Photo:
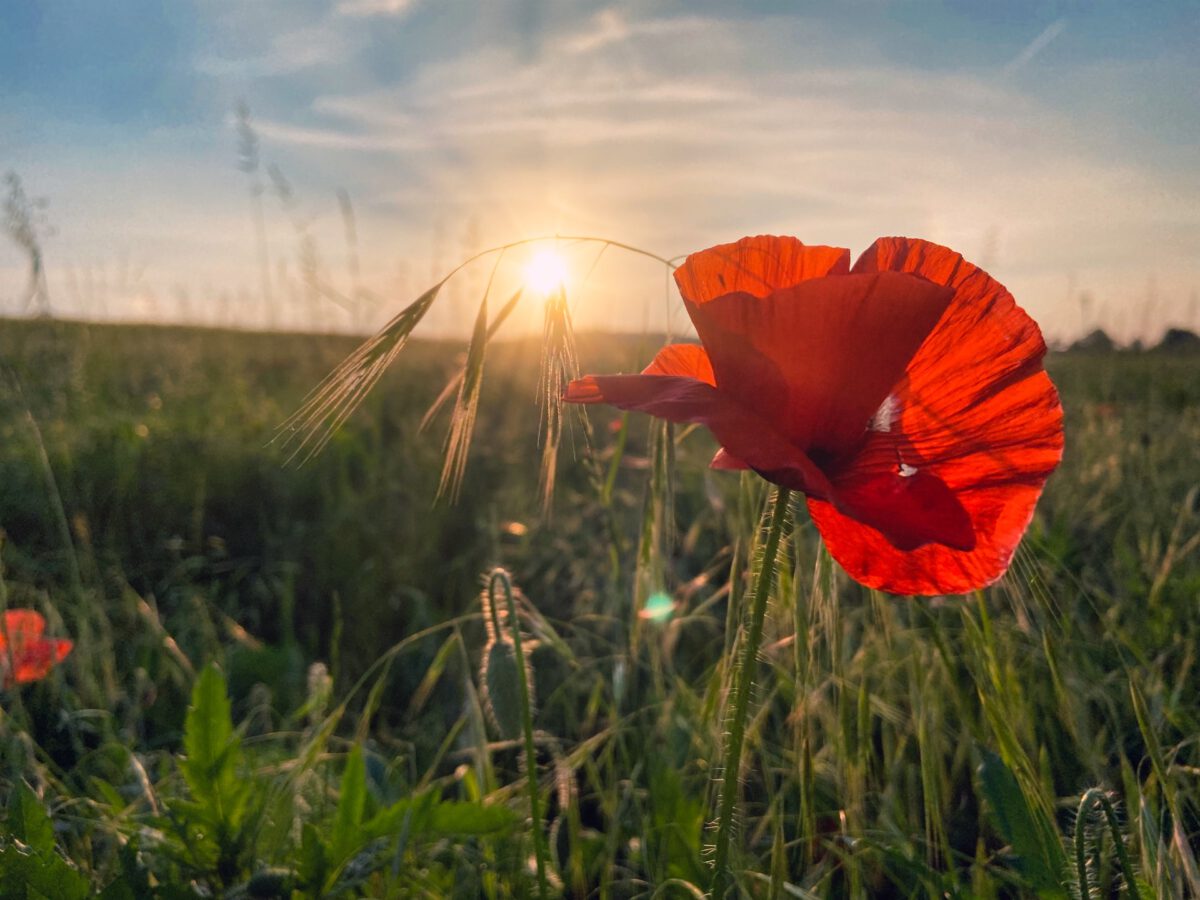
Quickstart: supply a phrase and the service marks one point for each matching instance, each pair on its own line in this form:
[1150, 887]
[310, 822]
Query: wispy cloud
[374, 7]
[287, 51]
[620, 125]
[608, 27]
[1036, 46]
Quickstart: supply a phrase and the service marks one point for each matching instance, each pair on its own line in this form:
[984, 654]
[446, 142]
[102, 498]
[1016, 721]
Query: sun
[546, 273]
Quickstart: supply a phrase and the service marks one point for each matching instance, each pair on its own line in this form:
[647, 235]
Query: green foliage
[30, 865]
[212, 751]
[27, 821]
[358, 845]
[347, 821]
[427, 816]
[966, 747]
[1039, 853]
[214, 827]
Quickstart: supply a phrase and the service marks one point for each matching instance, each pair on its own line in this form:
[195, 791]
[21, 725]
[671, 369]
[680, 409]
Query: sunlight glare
[546, 273]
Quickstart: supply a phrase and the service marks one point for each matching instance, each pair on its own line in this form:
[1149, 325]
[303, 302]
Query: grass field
[1039, 738]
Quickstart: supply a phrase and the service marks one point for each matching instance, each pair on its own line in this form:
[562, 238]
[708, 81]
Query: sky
[1055, 143]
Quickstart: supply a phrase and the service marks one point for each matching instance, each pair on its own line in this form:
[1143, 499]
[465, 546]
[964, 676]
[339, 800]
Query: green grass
[896, 747]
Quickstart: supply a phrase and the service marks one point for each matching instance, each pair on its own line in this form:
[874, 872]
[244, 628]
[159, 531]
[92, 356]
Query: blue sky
[1058, 144]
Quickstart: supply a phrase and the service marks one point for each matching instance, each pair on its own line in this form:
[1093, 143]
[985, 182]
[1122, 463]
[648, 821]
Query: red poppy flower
[905, 396]
[24, 654]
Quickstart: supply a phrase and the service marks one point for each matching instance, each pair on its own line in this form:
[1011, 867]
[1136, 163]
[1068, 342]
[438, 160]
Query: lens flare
[546, 273]
[659, 607]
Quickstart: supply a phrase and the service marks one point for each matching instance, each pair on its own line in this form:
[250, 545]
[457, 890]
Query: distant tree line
[1174, 340]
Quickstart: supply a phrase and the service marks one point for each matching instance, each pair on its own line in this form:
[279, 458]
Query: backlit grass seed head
[495, 616]
[319, 690]
[559, 365]
[307, 431]
[499, 675]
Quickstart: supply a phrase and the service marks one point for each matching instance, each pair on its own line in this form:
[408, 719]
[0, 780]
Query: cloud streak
[1036, 46]
[366, 8]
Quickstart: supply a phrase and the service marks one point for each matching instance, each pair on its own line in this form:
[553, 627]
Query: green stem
[744, 679]
[1096, 797]
[1081, 869]
[539, 843]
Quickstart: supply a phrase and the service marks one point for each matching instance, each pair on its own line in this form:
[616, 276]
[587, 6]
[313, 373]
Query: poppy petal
[911, 508]
[757, 266]
[999, 517]
[689, 360]
[819, 357]
[976, 410]
[38, 658]
[743, 433]
[20, 627]
[723, 459]
[984, 338]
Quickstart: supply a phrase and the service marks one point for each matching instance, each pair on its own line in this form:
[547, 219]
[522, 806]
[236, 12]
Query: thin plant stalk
[1095, 797]
[539, 844]
[53, 494]
[743, 680]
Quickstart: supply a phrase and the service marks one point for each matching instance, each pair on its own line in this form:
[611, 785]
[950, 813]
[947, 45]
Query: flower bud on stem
[501, 578]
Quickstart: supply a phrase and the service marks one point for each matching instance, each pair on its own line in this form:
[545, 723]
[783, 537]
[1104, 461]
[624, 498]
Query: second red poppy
[24, 654]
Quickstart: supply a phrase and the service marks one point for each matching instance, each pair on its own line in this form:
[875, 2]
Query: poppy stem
[743, 681]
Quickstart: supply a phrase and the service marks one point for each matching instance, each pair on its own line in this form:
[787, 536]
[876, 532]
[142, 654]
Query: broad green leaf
[133, 882]
[119, 890]
[208, 738]
[347, 831]
[26, 874]
[459, 817]
[28, 821]
[1040, 856]
[110, 794]
[427, 816]
[314, 857]
[408, 816]
[213, 752]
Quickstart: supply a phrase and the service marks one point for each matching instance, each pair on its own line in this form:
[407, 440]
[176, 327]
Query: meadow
[299, 681]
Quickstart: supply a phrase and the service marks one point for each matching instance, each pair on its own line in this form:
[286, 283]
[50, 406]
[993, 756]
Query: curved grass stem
[514, 623]
[743, 681]
[1091, 798]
